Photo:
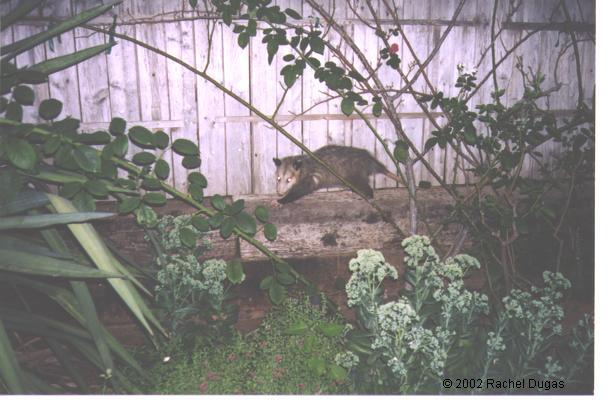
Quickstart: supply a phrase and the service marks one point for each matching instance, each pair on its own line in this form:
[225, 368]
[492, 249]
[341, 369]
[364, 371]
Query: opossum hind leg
[363, 186]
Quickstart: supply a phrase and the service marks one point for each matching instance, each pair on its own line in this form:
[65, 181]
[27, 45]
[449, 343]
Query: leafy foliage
[439, 329]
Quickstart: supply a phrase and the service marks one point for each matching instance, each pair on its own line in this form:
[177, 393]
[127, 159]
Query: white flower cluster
[495, 343]
[368, 270]
[169, 227]
[347, 359]
[552, 369]
[214, 272]
[419, 252]
[539, 310]
[456, 298]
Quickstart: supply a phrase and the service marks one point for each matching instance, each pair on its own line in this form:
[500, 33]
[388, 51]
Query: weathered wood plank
[210, 133]
[238, 134]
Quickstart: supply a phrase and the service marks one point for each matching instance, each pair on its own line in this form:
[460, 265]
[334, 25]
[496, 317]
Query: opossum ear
[277, 161]
[297, 163]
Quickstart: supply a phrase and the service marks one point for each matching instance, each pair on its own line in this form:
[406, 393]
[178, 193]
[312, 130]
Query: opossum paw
[275, 204]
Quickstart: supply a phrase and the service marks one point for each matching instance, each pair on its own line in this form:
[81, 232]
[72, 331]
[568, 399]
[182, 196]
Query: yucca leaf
[9, 367]
[103, 259]
[53, 65]
[64, 177]
[91, 322]
[23, 201]
[23, 8]
[25, 44]
[64, 359]
[26, 263]
[16, 243]
[43, 220]
[66, 300]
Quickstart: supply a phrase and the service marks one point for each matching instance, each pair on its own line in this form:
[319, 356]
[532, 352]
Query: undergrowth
[265, 361]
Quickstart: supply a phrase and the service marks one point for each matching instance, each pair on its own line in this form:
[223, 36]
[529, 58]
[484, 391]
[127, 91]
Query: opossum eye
[278, 178]
[288, 180]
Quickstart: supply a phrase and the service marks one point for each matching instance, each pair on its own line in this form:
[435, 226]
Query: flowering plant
[438, 328]
[192, 294]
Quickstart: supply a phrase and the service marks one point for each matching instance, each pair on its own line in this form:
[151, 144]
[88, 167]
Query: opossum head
[288, 173]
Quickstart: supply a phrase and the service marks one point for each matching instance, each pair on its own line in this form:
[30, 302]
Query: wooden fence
[146, 89]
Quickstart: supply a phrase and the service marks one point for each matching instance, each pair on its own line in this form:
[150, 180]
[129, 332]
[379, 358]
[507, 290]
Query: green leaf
[347, 106]
[154, 199]
[14, 111]
[270, 231]
[50, 109]
[161, 139]
[22, 201]
[144, 158]
[234, 272]
[261, 213]
[298, 328]
[198, 178]
[430, 143]
[246, 223]
[267, 282]
[142, 137]
[151, 184]
[401, 151]
[20, 46]
[193, 3]
[120, 145]
[3, 104]
[317, 45]
[23, 8]
[87, 158]
[216, 220]
[128, 204]
[96, 138]
[52, 65]
[117, 126]
[196, 191]
[70, 189]
[21, 154]
[33, 264]
[187, 237]
[377, 109]
[309, 344]
[243, 40]
[161, 169]
[286, 278]
[24, 95]
[200, 223]
[10, 371]
[96, 187]
[235, 207]
[227, 227]
[191, 162]
[317, 365]
[146, 216]
[185, 147]
[330, 329]
[84, 202]
[293, 13]
[337, 372]
[277, 293]
[218, 202]
[470, 137]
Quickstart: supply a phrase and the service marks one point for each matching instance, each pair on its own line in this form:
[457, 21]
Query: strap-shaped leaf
[24, 7]
[24, 201]
[27, 263]
[43, 220]
[53, 65]
[25, 44]
[9, 367]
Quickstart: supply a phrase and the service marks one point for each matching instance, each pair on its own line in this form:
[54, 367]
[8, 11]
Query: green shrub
[266, 361]
[438, 329]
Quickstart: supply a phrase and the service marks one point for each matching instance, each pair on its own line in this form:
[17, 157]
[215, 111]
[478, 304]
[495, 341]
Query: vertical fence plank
[210, 102]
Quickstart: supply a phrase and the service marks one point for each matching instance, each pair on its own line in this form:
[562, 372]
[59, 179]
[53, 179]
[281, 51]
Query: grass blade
[23, 8]
[24, 201]
[56, 64]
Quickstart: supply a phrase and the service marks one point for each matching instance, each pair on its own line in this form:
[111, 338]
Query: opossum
[298, 176]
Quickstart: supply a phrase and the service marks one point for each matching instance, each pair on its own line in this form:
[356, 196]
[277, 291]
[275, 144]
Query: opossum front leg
[299, 190]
